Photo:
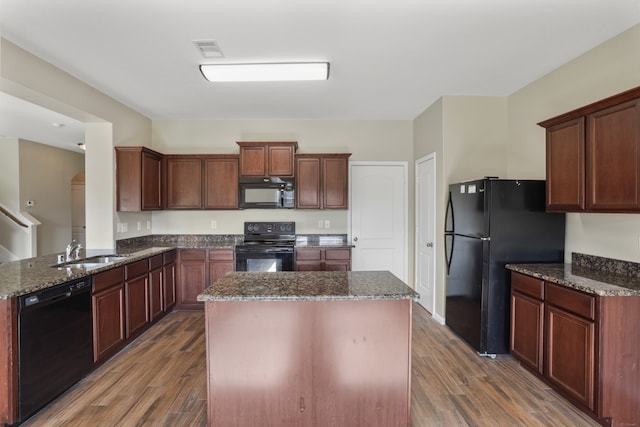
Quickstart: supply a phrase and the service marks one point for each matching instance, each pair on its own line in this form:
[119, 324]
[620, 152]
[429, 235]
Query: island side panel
[256, 357]
[362, 363]
[309, 363]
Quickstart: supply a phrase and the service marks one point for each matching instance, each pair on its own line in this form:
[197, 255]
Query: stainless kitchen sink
[92, 262]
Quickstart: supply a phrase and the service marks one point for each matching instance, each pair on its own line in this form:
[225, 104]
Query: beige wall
[608, 69]
[469, 137]
[108, 122]
[45, 178]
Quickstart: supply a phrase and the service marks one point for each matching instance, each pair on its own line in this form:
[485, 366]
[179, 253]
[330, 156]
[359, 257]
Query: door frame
[431, 156]
[405, 196]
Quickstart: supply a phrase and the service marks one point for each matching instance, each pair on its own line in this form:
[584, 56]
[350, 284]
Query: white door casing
[425, 231]
[378, 217]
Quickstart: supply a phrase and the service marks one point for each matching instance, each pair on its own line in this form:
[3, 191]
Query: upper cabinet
[202, 181]
[322, 181]
[263, 159]
[138, 179]
[593, 157]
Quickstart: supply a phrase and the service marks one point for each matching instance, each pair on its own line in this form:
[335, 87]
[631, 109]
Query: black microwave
[266, 193]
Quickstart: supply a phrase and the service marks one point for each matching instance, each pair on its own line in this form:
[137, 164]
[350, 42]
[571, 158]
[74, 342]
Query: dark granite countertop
[582, 278]
[29, 275]
[305, 286]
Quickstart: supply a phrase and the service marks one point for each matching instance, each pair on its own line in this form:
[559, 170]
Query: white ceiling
[390, 59]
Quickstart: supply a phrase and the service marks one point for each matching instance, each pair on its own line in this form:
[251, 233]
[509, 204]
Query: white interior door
[378, 220]
[425, 231]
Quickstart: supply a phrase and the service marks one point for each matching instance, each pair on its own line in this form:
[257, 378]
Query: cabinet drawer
[337, 254]
[573, 301]
[136, 269]
[107, 279]
[527, 285]
[221, 255]
[192, 255]
[169, 257]
[308, 254]
[155, 262]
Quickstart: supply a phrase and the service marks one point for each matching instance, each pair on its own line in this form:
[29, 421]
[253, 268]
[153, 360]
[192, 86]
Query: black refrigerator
[490, 223]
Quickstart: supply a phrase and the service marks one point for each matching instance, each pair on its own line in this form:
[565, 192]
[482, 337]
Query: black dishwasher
[55, 347]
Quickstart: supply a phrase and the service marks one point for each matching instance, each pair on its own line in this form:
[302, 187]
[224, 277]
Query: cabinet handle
[302, 408]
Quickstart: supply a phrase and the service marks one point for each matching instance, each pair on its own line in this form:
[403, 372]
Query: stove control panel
[269, 228]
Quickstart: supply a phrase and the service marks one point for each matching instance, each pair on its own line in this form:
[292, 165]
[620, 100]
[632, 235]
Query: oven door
[257, 258]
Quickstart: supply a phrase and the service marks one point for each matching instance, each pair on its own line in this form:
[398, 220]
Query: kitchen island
[309, 349]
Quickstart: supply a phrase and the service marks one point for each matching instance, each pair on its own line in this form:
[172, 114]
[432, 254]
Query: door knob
[429, 244]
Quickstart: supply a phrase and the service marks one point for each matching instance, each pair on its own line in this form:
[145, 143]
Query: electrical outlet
[214, 224]
[139, 226]
[327, 223]
[148, 225]
[320, 223]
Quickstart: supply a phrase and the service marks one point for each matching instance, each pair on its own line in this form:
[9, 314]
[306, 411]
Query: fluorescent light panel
[273, 72]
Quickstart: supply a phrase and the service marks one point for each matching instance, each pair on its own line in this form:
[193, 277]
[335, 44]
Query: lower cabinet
[585, 346]
[155, 287]
[108, 313]
[198, 269]
[168, 280]
[323, 259]
[136, 296]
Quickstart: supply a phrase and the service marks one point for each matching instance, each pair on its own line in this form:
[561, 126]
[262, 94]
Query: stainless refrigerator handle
[488, 239]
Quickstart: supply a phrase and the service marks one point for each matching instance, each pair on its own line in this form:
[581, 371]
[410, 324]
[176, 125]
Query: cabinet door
[308, 259]
[136, 303]
[570, 355]
[613, 158]
[335, 183]
[151, 181]
[193, 276]
[565, 166]
[526, 330]
[108, 313]
[280, 160]
[336, 259]
[184, 183]
[253, 161]
[155, 294]
[308, 192]
[221, 183]
[218, 269]
[168, 286]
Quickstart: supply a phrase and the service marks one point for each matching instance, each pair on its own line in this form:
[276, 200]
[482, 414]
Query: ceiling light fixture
[270, 72]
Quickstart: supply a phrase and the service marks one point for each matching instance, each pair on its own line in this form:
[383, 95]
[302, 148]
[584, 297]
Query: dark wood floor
[159, 380]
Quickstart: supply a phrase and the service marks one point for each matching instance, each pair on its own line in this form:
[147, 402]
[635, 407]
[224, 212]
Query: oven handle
[264, 251]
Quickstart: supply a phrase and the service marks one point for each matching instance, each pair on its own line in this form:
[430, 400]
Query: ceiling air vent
[208, 48]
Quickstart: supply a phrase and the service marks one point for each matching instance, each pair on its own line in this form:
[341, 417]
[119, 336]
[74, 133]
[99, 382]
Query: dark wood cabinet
[202, 182]
[593, 156]
[168, 280]
[263, 159]
[108, 313]
[221, 182]
[184, 182]
[136, 297]
[138, 179]
[155, 287]
[527, 314]
[198, 269]
[613, 158]
[322, 259]
[565, 166]
[590, 345]
[322, 181]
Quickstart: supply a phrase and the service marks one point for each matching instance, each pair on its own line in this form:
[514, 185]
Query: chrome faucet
[73, 251]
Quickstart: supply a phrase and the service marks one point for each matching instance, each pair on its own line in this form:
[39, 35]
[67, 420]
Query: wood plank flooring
[159, 380]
